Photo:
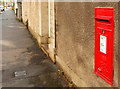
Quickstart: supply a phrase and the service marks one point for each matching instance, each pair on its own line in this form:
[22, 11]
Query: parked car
[1, 8]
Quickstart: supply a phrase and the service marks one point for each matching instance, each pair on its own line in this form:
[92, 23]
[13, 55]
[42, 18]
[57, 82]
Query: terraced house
[67, 32]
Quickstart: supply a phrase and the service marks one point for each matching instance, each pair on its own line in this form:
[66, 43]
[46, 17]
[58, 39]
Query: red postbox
[104, 36]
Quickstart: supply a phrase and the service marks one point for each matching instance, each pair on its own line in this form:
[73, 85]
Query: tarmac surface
[20, 52]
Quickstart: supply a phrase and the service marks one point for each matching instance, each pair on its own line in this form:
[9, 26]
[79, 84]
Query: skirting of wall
[76, 80]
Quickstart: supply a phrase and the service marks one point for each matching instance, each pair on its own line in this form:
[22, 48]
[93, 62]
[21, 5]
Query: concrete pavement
[20, 52]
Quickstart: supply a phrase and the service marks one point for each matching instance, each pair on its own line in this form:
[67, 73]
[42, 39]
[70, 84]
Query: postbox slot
[103, 19]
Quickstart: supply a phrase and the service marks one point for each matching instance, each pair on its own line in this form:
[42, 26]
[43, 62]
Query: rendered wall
[19, 11]
[33, 19]
[37, 15]
[24, 11]
[75, 42]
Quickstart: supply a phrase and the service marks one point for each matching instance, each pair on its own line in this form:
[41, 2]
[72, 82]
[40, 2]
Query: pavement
[20, 52]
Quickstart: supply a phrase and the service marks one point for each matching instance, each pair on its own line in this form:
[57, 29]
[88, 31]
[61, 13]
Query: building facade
[66, 32]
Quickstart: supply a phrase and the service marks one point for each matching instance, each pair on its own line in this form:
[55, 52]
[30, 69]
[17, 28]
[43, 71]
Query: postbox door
[104, 35]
